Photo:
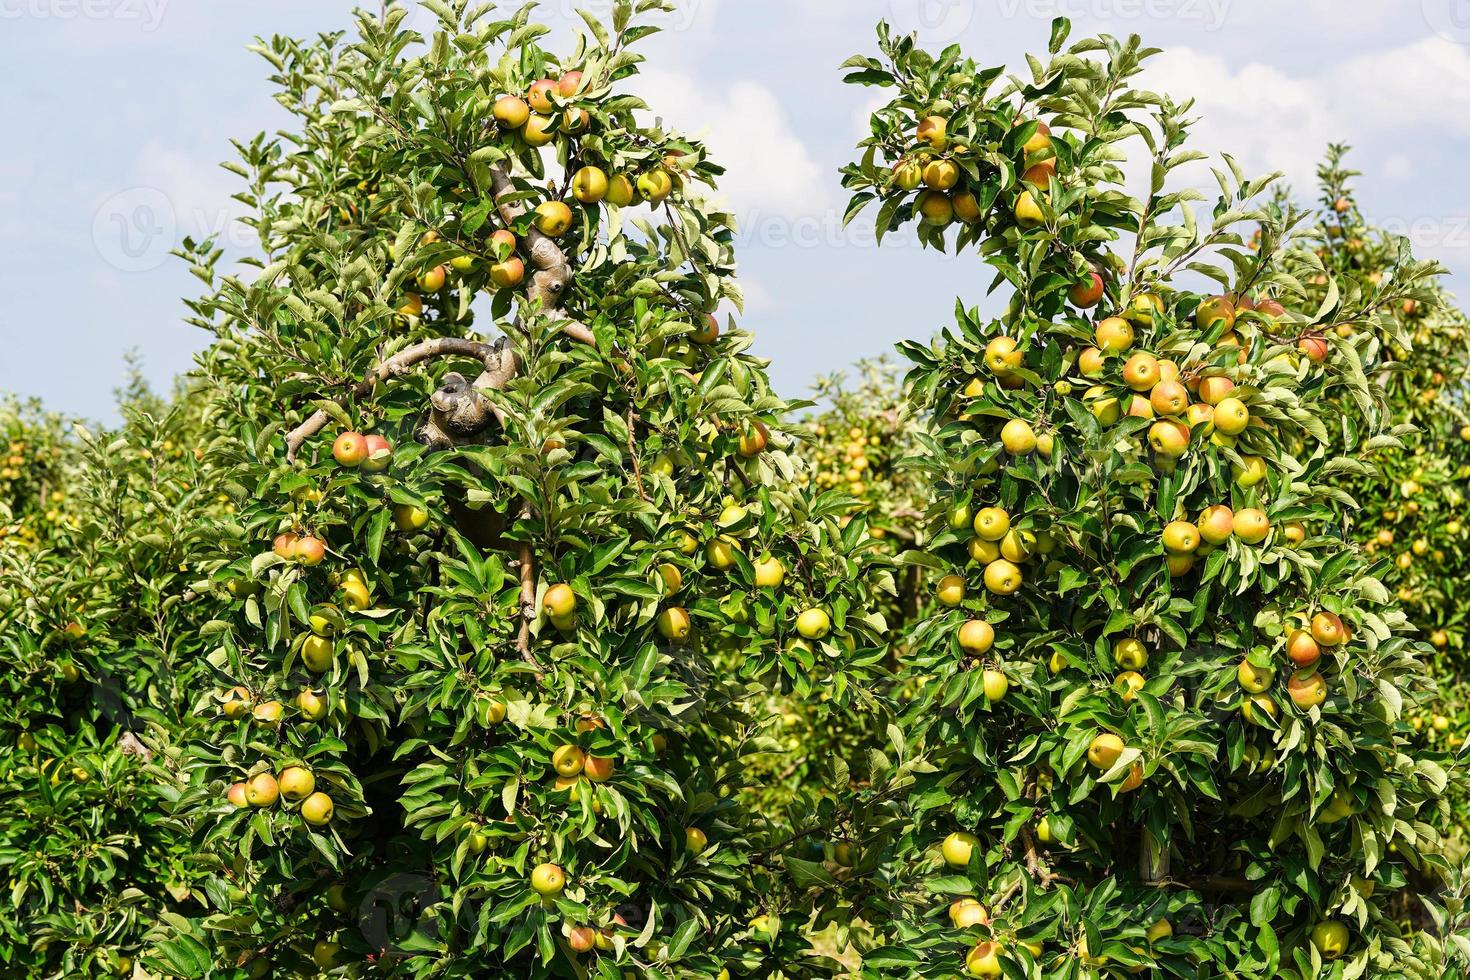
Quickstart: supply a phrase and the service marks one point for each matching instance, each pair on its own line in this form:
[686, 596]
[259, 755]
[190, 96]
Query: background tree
[1159, 712]
[496, 626]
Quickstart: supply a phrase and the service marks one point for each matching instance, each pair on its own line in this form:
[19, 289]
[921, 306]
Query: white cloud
[769, 170]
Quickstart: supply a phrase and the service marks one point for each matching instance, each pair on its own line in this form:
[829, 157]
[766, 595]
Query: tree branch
[528, 607]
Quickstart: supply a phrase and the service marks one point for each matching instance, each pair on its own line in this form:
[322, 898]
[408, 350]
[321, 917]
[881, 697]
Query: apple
[581, 939]
[1039, 174]
[1216, 524]
[262, 790]
[1040, 140]
[1181, 537]
[674, 624]
[753, 440]
[317, 653]
[1259, 709]
[967, 912]
[1028, 213]
[568, 760]
[769, 572]
[1251, 525]
[984, 961]
[296, 783]
[1270, 308]
[621, 191]
[708, 332]
[1295, 532]
[313, 706]
[1162, 929]
[597, 769]
[1314, 346]
[559, 600]
[1141, 371]
[1130, 653]
[589, 185]
[1140, 407]
[977, 636]
[413, 305]
[1307, 689]
[1142, 309]
[236, 702]
[379, 454]
[1133, 780]
[285, 546]
[813, 624]
[951, 590]
[1179, 564]
[1231, 416]
[236, 795]
[1088, 293]
[958, 847]
[1113, 335]
[268, 713]
[325, 954]
[995, 684]
[1169, 438]
[1002, 577]
[1302, 649]
[1103, 406]
[695, 840]
[1215, 311]
[721, 553]
[1128, 684]
[1105, 751]
[1330, 938]
[1018, 437]
[432, 280]
[655, 185]
[992, 523]
[1016, 546]
[941, 175]
[1249, 472]
[1214, 390]
[1328, 629]
[569, 84]
[349, 449]
[932, 130]
[511, 112]
[966, 206]
[908, 175]
[1170, 398]
[935, 208]
[310, 550]
[553, 218]
[1045, 443]
[1091, 362]
[540, 95]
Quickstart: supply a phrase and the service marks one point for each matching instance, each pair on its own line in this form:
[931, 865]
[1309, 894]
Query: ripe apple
[708, 331]
[1104, 407]
[379, 454]
[310, 550]
[413, 305]
[553, 218]
[432, 280]
[984, 551]
[1141, 371]
[349, 449]
[695, 840]
[1307, 689]
[313, 706]
[540, 95]
[720, 552]
[268, 713]
[1002, 577]
[1181, 537]
[285, 546]
[1018, 437]
[511, 112]
[581, 939]
[951, 590]
[621, 191]
[568, 760]
[1216, 524]
[236, 795]
[1163, 929]
[1040, 174]
[1251, 525]
[769, 572]
[1302, 649]
[966, 206]
[992, 523]
[410, 517]
[1169, 438]
[908, 175]
[1231, 416]
[569, 84]
[560, 600]
[1091, 362]
[1328, 629]
[1129, 683]
[753, 440]
[1133, 780]
[967, 912]
[958, 847]
[598, 770]
[1249, 472]
[1105, 751]
[1140, 407]
[296, 783]
[655, 185]
[1016, 546]
[674, 624]
[1214, 390]
[1259, 709]
[317, 809]
[984, 961]
[1330, 939]
[1028, 212]
[1314, 346]
[1045, 443]
[932, 130]
[262, 790]
[1130, 653]
[935, 208]
[589, 185]
[1088, 293]
[995, 684]
[1142, 309]
[977, 636]
[1169, 398]
[813, 624]
[236, 702]
[1040, 140]
[1113, 335]
[1215, 311]
[941, 174]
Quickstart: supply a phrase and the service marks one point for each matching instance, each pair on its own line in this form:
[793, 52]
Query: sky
[116, 114]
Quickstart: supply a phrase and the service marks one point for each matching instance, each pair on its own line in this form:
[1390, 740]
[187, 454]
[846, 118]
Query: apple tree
[1156, 719]
[519, 558]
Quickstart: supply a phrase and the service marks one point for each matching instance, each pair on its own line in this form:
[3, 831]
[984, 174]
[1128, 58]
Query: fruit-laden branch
[497, 358]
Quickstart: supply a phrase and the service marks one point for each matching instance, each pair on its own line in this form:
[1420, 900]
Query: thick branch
[394, 366]
[528, 607]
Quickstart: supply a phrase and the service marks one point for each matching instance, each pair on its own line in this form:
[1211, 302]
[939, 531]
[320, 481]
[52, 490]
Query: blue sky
[117, 113]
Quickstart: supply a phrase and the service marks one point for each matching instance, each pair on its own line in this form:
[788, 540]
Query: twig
[528, 607]
[633, 452]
